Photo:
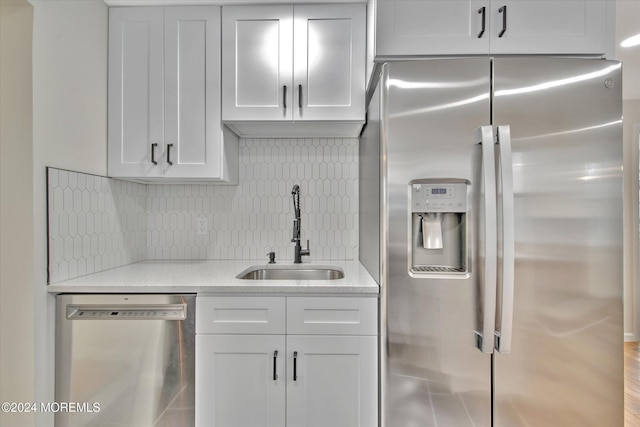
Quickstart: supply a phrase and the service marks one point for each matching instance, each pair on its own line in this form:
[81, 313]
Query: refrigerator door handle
[503, 336]
[485, 337]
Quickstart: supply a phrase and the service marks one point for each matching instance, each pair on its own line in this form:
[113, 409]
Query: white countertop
[209, 276]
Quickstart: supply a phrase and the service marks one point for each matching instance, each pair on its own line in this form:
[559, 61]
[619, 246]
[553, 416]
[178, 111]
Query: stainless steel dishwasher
[125, 360]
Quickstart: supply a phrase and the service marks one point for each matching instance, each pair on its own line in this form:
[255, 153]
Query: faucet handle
[306, 251]
[272, 257]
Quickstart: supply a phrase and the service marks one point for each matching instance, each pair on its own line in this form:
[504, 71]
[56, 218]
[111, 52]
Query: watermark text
[54, 407]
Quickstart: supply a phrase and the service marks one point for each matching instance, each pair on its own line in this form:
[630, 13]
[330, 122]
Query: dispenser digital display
[438, 226]
[439, 197]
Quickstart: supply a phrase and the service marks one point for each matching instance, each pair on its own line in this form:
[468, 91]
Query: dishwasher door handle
[127, 312]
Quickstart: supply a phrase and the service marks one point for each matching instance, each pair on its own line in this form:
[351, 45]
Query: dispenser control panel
[438, 197]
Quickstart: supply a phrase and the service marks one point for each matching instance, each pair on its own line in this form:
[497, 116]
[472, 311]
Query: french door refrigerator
[491, 214]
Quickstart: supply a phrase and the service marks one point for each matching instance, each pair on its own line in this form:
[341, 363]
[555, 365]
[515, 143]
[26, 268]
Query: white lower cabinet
[263, 375]
[240, 380]
[333, 381]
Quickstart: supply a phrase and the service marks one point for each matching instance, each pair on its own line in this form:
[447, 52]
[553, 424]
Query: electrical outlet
[203, 226]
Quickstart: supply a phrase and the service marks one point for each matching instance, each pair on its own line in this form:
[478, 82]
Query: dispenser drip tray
[437, 269]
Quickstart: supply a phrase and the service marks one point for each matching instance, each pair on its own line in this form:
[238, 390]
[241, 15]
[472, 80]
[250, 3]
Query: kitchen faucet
[298, 251]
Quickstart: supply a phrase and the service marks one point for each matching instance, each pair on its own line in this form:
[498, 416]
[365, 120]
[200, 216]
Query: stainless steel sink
[292, 272]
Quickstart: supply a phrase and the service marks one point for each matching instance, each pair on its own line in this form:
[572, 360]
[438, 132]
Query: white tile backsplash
[255, 217]
[97, 223]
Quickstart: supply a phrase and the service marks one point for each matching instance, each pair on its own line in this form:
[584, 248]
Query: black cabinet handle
[275, 367]
[153, 154]
[284, 96]
[295, 366]
[503, 11]
[300, 96]
[483, 12]
[169, 154]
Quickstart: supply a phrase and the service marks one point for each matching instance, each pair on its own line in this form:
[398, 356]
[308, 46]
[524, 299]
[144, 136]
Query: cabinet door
[257, 49]
[329, 55]
[335, 381]
[236, 383]
[136, 90]
[444, 27]
[192, 92]
[548, 26]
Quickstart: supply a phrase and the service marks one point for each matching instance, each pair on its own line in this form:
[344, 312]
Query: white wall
[69, 131]
[628, 24]
[631, 122]
[16, 210]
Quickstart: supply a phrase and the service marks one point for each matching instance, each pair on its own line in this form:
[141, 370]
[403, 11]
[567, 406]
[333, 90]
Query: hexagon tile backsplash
[97, 223]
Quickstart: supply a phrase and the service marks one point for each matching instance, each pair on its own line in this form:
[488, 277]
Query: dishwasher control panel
[115, 312]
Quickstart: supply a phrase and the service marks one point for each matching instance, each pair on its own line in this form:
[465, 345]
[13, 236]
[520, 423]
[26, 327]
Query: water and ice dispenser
[438, 226]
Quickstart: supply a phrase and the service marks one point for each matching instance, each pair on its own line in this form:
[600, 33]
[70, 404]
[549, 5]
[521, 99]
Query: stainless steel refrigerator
[491, 215]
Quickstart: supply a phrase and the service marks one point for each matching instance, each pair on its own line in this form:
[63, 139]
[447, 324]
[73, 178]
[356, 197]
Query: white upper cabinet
[136, 82]
[257, 63]
[164, 90]
[329, 54]
[548, 27]
[293, 70]
[445, 27]
[404, 28]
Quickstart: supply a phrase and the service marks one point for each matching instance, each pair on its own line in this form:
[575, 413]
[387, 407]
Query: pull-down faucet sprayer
[298, 251]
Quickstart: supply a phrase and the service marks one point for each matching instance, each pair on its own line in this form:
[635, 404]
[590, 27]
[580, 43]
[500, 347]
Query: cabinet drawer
[240, 315]
[335, 316]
